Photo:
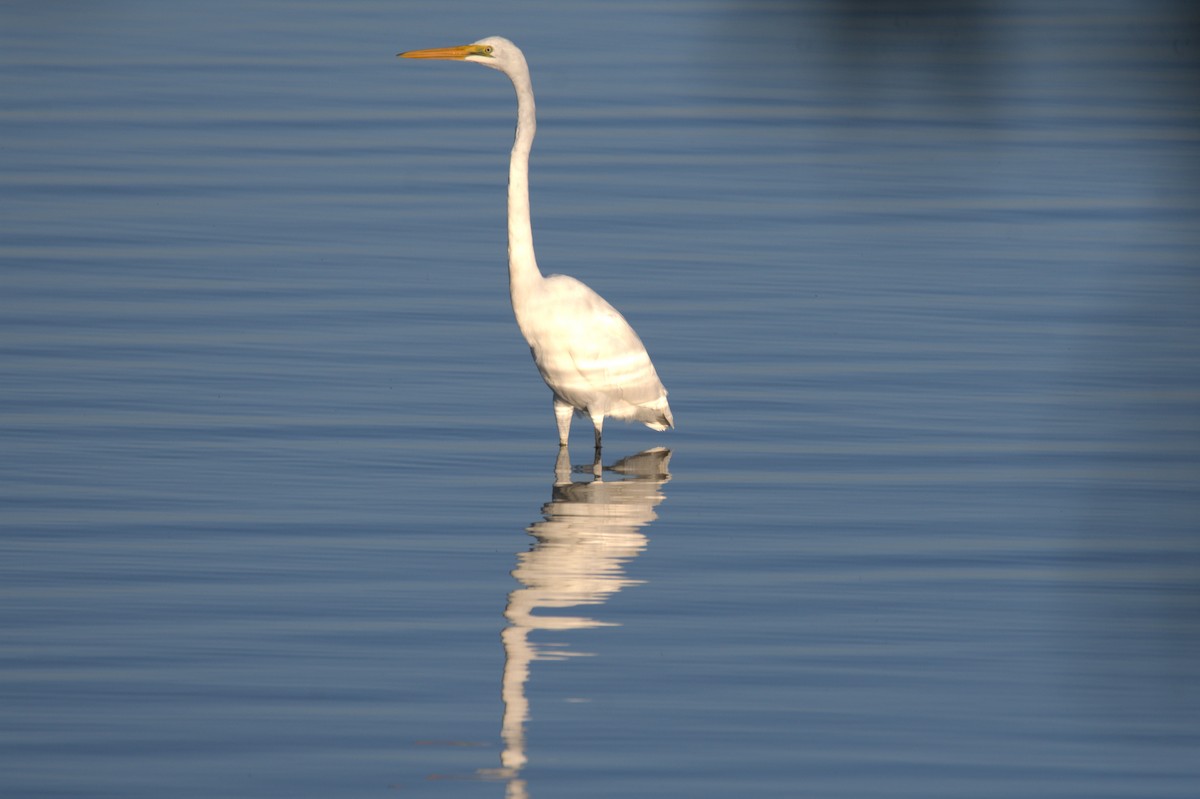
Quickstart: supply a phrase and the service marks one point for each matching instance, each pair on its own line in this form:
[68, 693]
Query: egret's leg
[562, 467]
[562, 414]
[598, 424]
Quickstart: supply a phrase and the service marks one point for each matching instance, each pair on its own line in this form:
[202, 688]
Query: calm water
[280, 513]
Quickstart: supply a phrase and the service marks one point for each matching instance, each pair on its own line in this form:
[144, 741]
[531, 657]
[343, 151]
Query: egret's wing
[591, 350]
[613, 359]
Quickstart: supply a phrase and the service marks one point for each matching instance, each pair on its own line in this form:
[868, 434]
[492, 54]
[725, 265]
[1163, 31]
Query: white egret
[587, 353]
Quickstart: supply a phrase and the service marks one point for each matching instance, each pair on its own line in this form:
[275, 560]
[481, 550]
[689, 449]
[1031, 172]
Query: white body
[589, 356]
[587, 353]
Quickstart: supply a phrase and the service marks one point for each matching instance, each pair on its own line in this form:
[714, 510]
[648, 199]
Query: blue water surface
[282, 511]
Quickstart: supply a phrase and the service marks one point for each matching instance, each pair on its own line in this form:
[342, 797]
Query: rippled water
[280, 511]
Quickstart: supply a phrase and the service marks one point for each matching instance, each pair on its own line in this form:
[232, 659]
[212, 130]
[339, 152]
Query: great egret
[587, 353]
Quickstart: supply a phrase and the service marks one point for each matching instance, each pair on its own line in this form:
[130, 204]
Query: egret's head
[494, 51]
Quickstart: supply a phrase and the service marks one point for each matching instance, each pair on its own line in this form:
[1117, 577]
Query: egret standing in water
[587, 353]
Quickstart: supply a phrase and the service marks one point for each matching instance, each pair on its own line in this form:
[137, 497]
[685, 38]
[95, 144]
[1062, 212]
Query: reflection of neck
[518, 652]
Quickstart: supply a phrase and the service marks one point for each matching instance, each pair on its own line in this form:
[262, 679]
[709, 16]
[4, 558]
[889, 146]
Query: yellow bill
[449, 53]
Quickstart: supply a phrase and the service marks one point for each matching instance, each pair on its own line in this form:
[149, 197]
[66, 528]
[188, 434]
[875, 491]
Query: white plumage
[587, 353]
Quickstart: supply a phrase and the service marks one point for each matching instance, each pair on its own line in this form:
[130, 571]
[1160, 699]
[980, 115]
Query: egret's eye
[487, 49]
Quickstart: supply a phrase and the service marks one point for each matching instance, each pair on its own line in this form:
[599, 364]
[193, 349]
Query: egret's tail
[660, 417]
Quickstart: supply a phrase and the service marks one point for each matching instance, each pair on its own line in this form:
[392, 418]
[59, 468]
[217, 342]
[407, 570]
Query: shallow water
[281, 511]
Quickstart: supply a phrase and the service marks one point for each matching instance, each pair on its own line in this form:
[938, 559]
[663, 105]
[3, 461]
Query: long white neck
[523, 272]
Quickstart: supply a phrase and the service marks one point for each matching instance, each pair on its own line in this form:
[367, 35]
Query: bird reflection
[589, 530]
